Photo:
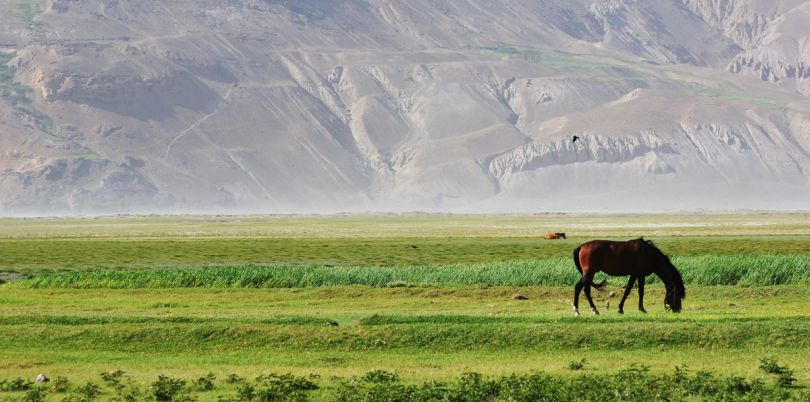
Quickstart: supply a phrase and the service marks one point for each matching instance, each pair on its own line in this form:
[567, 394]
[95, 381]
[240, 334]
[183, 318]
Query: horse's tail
[599, 286]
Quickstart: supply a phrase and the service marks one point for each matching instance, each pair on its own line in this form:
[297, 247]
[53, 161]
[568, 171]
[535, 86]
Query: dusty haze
[366, 105]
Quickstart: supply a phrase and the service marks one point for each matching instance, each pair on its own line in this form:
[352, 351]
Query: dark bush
[88, 391]
[113, 379]
[245, 392]
[130, 393]
[15, 385]
[166, 388]
[205, 383]
[60, 384]
[234, 379]
[576, 365]
[380, 376]
[283, 387]
[35, 394]
[784, 375]
[636, 383]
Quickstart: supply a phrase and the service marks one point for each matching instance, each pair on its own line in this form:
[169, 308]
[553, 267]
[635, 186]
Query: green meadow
[396, 307]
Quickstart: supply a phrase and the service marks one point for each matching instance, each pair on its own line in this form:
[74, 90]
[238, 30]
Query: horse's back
[614, 257]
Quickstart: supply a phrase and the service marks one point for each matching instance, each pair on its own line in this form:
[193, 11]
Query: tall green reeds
[745, 270]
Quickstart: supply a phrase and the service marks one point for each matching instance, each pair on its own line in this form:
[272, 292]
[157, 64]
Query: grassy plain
[419, 330]
[145, 242]
[419, 333]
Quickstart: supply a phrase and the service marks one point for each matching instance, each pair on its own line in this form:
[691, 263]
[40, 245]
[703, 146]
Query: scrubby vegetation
[576, 364]
[634, 383]
[29, 10]
[783, 374]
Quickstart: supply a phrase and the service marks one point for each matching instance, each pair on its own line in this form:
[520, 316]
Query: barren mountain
[459, 105]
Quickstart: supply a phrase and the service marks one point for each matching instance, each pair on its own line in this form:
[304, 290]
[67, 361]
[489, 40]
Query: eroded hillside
[255, 105]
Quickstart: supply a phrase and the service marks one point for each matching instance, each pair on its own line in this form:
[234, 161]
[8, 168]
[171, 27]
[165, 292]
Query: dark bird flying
[575, 138]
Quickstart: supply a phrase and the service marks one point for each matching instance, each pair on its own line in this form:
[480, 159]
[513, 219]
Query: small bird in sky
[575, 138]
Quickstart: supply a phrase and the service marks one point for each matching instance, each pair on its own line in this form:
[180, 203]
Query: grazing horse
[552, 236]
[637, 258]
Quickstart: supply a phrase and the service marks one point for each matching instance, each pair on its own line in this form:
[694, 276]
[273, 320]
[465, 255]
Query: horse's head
[672, 300]
[560, 235]
[669, 275]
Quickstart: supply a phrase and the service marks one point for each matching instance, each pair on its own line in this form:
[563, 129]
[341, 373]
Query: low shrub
[283, 387]
[167, 388]
[380, 376]
[204, 383]
[16, 385]
[113, 379]
[784, 375]
[60, 385]
[131, 392]
[234, 379]
[636, 383]
[88, 392]
[576, 365]
[35, 394]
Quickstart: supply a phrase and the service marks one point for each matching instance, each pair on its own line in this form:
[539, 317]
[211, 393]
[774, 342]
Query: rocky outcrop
[658, 31]
[128, 95]
[744, 22]
[725, 133]
[81, 184]
[774, 47]
[761, 65]
[588, 148]
[771, 67]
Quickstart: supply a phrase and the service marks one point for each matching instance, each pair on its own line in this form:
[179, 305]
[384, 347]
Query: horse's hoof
[595, 311]
[576, 313]
[621, 311]
[643, 311]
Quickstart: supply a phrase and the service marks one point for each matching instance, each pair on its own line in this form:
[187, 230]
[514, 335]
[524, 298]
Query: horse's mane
[676, 278]
[673, 273]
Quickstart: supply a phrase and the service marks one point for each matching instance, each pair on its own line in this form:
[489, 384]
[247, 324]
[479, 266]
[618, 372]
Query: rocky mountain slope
[456, 105]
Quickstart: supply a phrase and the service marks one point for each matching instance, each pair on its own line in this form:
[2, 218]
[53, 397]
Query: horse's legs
[588, 282]
[577, 289]
[641, 293]
[627, 290]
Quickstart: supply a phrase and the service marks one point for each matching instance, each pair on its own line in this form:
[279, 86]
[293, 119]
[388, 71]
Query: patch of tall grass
[744, 270]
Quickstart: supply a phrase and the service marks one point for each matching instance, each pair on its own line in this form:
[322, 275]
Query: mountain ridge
[319, 106]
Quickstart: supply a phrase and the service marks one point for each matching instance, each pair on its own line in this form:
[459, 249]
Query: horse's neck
[664, 274]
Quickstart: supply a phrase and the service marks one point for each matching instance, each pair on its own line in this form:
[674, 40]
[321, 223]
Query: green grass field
[425, 298]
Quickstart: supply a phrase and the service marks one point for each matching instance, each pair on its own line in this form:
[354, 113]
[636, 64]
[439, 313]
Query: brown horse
[637, 258]
[552, 236]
